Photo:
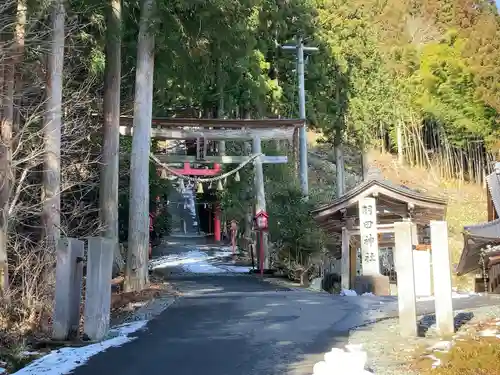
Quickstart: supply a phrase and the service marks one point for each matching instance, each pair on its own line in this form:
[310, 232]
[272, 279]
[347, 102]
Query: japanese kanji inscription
[369, 239]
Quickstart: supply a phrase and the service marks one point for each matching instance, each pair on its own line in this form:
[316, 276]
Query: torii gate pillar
[217, 214]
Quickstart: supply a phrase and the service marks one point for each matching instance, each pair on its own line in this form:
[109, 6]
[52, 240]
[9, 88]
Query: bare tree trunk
[6, 176]
[52, 128]
[136, 271]
[365, 160]
[111, 132]
[339, 164]
[19, 38]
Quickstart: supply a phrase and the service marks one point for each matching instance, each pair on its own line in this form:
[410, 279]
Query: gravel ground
[151, 309]
[390, 354]
[146, 310]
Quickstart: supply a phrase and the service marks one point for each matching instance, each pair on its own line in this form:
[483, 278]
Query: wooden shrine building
[364, 218]
[481, 252]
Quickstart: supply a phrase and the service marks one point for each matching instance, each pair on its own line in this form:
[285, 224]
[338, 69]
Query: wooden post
[369, 236]
[260, 195]
[217, 215]
[442, 278]
[69, 255]
[247, 147]
[98, 288]
[406, 280]
[353, 266]
[222, 147]
[346, 260]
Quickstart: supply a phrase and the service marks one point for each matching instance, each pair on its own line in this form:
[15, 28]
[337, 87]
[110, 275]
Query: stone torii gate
[210, 132]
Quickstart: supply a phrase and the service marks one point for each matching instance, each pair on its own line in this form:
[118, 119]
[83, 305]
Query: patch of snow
[490, 332]
[197, 261]
[128, 328]
[174, 260]
[235, 269]
[201, 267]
[454, 295]
[368, 294]
[348, 293]
[65, 360]
[351, 361]
[442, 346]
[223, 253]
[437, 361]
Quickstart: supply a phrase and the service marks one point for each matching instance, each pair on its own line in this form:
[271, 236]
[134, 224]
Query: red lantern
[261, 220]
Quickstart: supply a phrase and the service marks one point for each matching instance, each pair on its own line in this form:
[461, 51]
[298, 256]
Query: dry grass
[123, 304]
[313, 137]
[466, 202]
[472, 356]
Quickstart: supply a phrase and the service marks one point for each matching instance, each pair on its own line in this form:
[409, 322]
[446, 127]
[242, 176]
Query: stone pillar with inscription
[370, 263]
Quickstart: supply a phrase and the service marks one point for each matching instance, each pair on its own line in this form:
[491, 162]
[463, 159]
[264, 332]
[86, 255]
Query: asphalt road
[233, 325]
[241, 325]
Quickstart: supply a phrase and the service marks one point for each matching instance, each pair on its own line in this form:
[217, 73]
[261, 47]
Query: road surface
[240, 325]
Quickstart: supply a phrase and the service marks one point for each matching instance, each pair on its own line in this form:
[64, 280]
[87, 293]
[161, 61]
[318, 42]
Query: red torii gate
[187, 170]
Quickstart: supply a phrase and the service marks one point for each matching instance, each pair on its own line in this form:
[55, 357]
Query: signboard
[369, 239]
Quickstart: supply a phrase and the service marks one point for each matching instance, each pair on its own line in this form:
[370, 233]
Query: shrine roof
[476, 238]
[479, 237]
[383, 187]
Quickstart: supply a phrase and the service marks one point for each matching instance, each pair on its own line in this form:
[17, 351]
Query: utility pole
[300, 49]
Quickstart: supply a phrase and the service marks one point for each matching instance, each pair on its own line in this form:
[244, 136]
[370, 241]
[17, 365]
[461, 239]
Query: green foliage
[379, 63]
[292, 228]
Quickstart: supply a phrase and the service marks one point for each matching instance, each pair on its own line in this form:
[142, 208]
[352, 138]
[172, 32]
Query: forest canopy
[380, 62]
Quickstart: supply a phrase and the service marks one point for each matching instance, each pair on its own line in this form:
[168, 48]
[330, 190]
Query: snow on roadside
[351, 361]
[454, 295]
[65, 360]
[201, 267]
[196, 261]
[174, 260]
[235, 269]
